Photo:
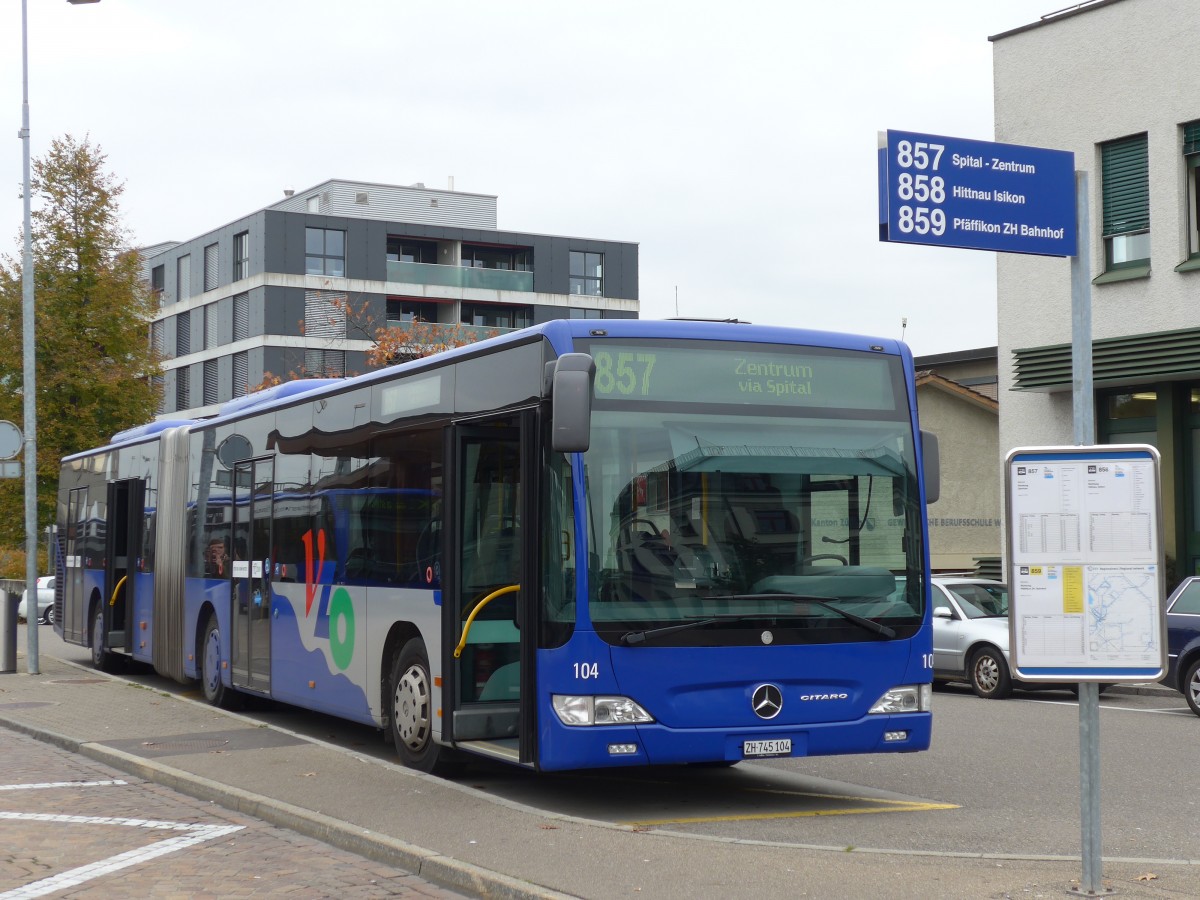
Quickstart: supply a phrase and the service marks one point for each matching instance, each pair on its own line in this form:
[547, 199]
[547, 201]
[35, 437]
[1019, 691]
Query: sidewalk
[461, 838]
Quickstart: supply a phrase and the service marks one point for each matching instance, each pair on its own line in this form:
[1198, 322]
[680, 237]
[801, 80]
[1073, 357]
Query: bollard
[8, 631]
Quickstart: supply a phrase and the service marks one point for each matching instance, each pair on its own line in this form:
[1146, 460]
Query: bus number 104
[587, 670]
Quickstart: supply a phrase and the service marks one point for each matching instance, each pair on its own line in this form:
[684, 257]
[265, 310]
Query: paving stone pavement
[73, 827]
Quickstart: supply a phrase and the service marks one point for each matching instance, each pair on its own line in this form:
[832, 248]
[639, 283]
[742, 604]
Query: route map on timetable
[1120, 620]
[1085, 582]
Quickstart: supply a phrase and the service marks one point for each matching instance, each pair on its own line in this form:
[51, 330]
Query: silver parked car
[970, 636]
[45, 601]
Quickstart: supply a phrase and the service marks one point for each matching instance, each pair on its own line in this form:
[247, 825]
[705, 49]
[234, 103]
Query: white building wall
[1109, 71]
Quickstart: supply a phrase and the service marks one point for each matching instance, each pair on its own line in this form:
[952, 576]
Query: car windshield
[979, 601]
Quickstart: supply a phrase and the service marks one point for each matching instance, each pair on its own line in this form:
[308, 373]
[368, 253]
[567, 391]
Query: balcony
[459, 276]
[436, 332]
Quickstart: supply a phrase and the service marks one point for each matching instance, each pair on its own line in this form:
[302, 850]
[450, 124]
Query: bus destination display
[766, 376]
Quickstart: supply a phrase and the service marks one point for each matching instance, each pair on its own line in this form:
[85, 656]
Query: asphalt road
[1001, 778]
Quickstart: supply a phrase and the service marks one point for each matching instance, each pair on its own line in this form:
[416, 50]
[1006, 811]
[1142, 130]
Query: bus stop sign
[978, 195]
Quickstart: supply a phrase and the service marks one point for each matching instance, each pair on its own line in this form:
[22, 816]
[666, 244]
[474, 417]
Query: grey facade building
[1114, 82]
[299, 287]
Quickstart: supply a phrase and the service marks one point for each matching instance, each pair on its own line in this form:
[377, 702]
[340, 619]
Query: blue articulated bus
[582, 544]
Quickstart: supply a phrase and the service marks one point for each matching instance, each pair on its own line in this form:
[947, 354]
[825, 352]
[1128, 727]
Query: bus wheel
[102, 659]
[412, 713]
[210, 664]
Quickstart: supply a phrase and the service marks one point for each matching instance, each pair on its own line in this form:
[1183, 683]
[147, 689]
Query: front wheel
[48, 618]
[1191, 686]
[412, 712]
[989, 674]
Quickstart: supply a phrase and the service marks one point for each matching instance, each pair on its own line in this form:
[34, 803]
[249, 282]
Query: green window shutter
[1125, 170]
[1191, 138]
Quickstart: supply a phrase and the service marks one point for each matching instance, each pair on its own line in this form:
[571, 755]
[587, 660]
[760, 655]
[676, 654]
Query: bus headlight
[905, 699]
[575, 709]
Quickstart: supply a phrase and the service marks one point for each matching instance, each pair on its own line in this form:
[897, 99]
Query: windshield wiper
[638, 637]
[630, 638]
[824, 603]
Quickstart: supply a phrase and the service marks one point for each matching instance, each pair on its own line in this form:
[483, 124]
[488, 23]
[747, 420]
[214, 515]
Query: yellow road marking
[896, 806]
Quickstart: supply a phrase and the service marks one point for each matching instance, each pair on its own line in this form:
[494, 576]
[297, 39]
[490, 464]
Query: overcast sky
[734, 142]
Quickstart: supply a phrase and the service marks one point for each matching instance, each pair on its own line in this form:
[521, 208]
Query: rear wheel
[1191, 686]
[989, 674]
[215, 691]
[411, 712]
[102, 659]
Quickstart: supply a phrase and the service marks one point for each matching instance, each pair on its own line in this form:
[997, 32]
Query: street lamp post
[28, 353]
[27, 347]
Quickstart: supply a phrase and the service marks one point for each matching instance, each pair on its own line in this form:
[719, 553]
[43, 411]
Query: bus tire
[411, 713]
[214, 689]
[102, 658]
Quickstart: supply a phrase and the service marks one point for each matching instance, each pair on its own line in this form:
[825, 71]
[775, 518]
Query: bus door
[491, 618]
[250, 593]
[73, 614]
[122, 555]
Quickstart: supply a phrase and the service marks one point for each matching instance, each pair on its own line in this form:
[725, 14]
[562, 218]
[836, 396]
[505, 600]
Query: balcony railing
[459, 276]
[436, 331]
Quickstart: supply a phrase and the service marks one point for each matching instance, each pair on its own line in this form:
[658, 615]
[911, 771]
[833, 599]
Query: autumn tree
[94, 364]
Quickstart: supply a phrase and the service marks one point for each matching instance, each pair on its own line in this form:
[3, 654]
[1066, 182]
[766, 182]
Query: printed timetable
[1084, 561]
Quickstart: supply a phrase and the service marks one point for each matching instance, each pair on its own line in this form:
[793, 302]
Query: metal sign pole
[1084, 416]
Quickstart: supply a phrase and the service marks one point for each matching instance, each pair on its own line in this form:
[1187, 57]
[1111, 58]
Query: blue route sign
[979, 195]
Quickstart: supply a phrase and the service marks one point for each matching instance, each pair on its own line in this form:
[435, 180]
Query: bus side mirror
[933, 466]
[571, 403]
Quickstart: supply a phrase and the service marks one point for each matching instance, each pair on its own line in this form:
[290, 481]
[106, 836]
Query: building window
[405, 250]
[1191, 159]
[578, 312]
[241, 373]
[587, 273]
[1125, 180]
[210, 326]
[489, 316]
[324, 252]
[183, 394]
[241, 316]
[158, 281]
[210, 382]
[183, 277]
[324, 314]
[513, 259]
[183, 334]
[157, 341]
[401, 312]
[241, 255]
[211, 266]
[1128, 416]
[325, 363]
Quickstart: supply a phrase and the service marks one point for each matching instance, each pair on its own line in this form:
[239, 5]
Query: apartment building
[300, 287]
[1114, 82]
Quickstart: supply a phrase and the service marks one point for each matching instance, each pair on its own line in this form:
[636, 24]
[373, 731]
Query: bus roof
[561, 333]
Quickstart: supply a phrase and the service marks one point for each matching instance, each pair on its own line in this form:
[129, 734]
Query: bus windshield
[712, 521]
